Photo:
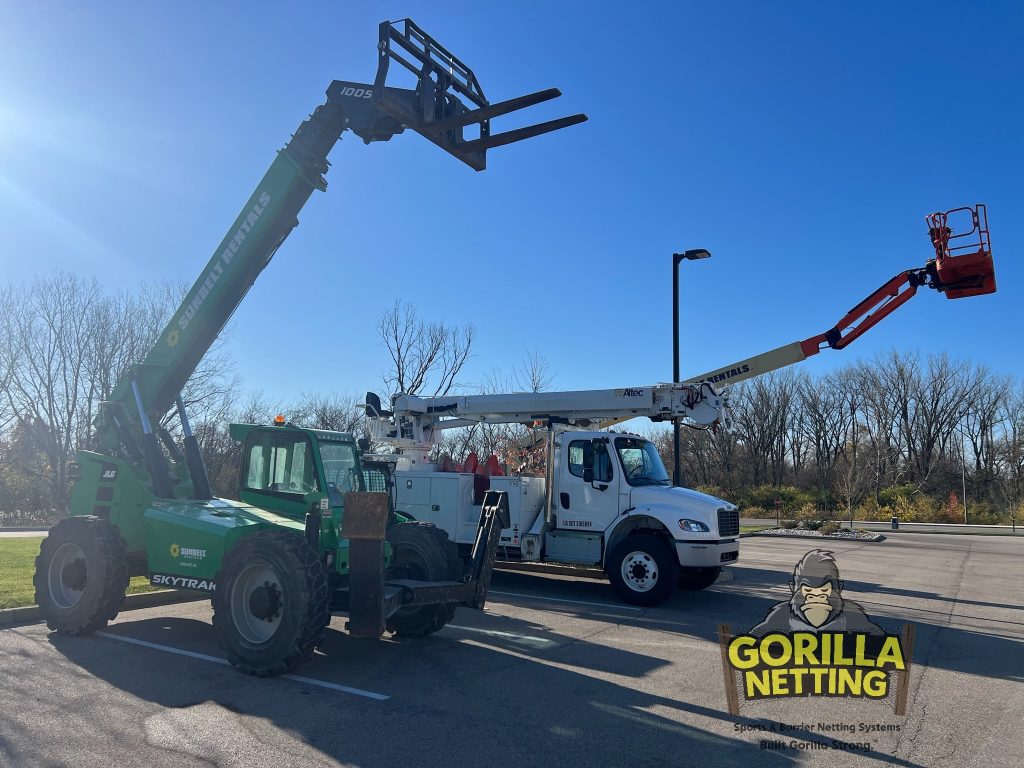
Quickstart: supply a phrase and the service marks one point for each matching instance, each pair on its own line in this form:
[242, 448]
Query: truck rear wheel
[81, 575]
[271, 602]
[423, 552]
[693, 579]
[643, 569]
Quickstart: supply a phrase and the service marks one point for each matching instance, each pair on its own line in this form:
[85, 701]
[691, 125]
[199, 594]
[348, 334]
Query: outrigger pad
[448, 97]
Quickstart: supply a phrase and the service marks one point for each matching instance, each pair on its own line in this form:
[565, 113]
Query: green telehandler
[314, 530]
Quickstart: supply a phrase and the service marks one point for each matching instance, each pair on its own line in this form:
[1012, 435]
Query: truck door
[587, 495]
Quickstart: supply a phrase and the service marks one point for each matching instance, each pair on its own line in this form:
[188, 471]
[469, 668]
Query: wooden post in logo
[903, 685]
[731, 694]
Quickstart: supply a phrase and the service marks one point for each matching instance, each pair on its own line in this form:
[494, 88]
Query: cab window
[576, 450]
[602, 460]
[280, 463]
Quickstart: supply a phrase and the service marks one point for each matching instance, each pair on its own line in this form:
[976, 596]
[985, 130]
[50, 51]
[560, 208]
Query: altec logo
[226, 256]
[629, 392]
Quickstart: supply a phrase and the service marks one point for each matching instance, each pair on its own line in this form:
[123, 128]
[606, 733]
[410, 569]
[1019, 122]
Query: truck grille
[728, 522]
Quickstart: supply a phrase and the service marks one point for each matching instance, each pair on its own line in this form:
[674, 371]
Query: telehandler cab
[142, 505]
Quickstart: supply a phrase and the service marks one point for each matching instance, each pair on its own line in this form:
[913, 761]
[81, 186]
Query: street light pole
[963, 471]
[677, 259]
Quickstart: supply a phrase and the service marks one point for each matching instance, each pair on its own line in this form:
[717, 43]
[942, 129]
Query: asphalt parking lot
[554, 672]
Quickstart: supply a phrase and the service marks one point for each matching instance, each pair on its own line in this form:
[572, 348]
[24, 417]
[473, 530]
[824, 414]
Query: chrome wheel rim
[639, 571]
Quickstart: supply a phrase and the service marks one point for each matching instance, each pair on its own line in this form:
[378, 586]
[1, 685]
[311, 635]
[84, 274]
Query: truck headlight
[693, 526]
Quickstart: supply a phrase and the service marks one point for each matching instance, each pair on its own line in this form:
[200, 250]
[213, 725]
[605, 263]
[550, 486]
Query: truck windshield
[341, 470]
[641, 463]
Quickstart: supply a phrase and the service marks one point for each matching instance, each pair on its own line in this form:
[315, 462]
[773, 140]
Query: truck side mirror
[364, 444]
[588, 455]
[588, 474]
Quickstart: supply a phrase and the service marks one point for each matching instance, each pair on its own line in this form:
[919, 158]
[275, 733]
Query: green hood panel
[189, 538]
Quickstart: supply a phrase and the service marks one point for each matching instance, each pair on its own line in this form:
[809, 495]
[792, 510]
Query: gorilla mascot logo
[817, 603]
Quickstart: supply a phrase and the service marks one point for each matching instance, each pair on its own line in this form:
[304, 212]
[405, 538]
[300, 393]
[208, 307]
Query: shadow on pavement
[453, 702]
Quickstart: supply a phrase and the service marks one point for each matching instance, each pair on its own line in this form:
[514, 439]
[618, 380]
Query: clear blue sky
[802, 143]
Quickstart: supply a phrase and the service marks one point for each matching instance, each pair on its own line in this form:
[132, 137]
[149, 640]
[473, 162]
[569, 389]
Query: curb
[24, 529]
[9, 616]
[762, 534]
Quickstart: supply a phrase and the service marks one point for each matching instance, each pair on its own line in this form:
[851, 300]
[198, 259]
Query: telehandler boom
[143, 506]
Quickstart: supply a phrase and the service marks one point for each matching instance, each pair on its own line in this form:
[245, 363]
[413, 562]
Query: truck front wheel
[81, 575]
[643, 569]
[693, 579]
[271, 602]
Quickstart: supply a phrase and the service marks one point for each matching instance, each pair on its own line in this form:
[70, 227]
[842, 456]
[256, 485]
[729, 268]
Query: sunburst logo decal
[175, 551]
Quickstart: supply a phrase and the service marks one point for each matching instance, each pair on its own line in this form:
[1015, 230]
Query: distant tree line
[899, 433]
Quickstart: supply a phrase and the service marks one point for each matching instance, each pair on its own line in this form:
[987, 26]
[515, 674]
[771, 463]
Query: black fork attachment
[438, 109]
[372, 599]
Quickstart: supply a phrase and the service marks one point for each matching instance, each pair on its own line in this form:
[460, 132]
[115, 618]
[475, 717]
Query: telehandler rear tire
[271, 603]
[643, 569]
[423, 552]
[81, 575]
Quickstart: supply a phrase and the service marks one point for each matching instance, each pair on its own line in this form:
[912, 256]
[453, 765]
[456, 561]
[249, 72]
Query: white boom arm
[417, 422]
[780, 357]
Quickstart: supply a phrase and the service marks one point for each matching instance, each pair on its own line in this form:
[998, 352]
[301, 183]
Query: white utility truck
[606, 500]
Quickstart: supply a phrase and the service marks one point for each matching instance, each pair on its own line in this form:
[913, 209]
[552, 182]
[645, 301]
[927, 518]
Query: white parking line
[565, 600]
[526, 639]
[219, 660]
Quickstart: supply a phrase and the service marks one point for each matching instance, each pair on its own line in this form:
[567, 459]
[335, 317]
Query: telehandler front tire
[271, 603]
[423, 552]
[81, 575]
[643, 569]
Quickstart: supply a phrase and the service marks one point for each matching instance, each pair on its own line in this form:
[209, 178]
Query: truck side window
[602, 463]
[576, 457]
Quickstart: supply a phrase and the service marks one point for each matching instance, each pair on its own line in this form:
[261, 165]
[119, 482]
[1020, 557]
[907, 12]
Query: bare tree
[426, 357]
[64, 347]
[980, 420]
[49, 336]
[1009, 452]
[763, 410]
[336, 412]
[8, 355]
[828, 406]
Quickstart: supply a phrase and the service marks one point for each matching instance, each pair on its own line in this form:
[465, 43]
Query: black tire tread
[315, 595]
[113, 552]
[429, 619]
